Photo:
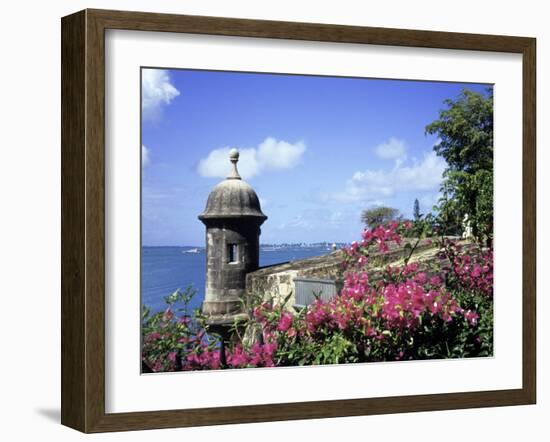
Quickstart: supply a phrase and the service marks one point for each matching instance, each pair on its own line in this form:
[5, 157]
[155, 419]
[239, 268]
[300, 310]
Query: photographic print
[301, 204]
[299, 220]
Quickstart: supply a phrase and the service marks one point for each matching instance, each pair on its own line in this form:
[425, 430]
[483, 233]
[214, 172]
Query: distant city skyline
[317, 150]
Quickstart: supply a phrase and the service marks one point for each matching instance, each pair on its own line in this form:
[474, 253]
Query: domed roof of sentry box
[233, 198]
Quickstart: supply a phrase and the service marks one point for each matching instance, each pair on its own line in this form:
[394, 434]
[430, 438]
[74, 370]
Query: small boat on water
[196, 250]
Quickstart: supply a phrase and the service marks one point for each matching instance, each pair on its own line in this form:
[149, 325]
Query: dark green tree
[465, 130]
[379, 215]
[416, 210]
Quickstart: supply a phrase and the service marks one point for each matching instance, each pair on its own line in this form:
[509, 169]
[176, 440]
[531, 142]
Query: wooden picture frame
[83, 220]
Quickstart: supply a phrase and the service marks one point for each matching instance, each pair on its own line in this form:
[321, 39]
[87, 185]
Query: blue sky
[317, 150]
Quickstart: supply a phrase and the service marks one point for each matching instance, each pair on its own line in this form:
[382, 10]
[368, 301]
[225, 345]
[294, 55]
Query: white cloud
[270, 155]
[156, 91]
[274, 155]
[145, 157]
[393, 149]
[424, 175]
[297, 222]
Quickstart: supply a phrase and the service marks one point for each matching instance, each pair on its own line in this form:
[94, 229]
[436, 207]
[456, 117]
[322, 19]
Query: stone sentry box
[232, 217]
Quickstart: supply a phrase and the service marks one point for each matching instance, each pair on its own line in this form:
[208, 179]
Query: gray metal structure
[232, 217]
[307, 289]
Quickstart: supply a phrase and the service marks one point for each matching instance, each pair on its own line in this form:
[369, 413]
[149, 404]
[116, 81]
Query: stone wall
[276, 282]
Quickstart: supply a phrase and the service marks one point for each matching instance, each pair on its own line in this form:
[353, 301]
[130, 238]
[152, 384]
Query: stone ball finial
[234, 157]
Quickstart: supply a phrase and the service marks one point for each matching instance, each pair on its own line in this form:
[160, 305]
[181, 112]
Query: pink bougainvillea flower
[471, 317]
[285, 322]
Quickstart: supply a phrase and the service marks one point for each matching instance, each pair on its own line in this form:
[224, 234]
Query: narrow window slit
[232, 255]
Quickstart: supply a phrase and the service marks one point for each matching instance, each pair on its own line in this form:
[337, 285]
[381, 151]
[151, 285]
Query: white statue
[466, 225]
